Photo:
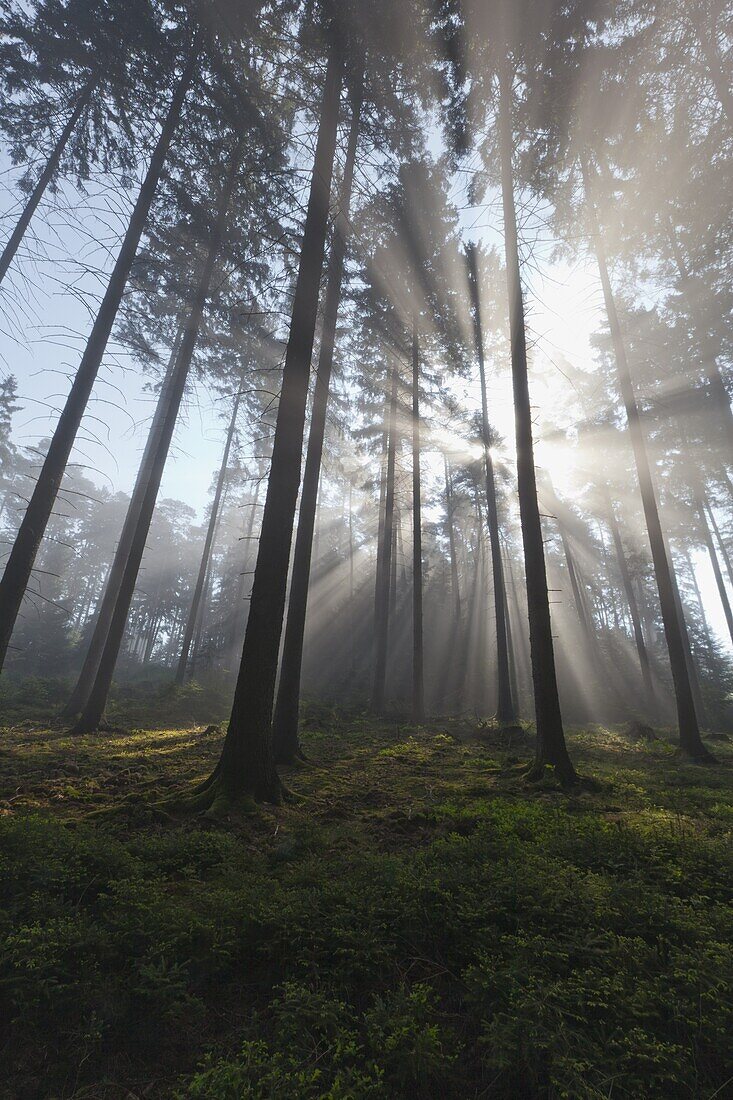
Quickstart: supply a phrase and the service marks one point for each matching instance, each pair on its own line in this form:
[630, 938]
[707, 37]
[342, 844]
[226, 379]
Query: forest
[366, 549]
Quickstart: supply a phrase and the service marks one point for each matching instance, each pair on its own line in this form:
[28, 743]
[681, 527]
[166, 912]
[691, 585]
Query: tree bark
[381, 601]
[689, 730]
[686, 644]
[505, 710]
[550, 747]
[352, 631]
[206, 552]
[418, 656]
[196, 647]
[237, 626]
[285, 718]
[396, 529]
[720, 541]
[247, 764]
[641, 649]
[83, 686]
[22, 557]
[8, 253]
[710, 546]
[455, 586]
[93, 711]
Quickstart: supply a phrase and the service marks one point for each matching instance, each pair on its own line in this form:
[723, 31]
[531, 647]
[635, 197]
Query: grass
[417, 923]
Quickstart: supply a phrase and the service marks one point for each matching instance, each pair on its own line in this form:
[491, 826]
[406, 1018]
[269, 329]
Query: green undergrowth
[416, 923]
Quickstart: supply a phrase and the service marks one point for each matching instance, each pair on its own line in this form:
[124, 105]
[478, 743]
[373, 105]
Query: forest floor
[417, 922]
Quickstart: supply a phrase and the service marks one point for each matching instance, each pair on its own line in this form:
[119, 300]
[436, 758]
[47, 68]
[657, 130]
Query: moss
[416, 921]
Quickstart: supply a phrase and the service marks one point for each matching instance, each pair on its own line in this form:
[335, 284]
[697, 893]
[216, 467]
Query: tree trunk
[585, 624]
[200, 622]
[151, 638]
[690, 740]
[285, 719]
[720, 540]
[83, 686]
[8, 253]
[418, 657]
[455, 587]
[247, 765]
[513, 678]
[396, 529]
[22, 557]
[208, 542]
[505, 710]
[521, 643]
[237, 626]
[700, 605]
[641, 649]
[352, 631]
[690, 662]
[551, 748]
[317, 525]
[381, 602]
[93, 711]
[708, 540]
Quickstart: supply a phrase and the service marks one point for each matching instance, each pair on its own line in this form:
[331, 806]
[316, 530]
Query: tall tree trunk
[8, 253]
[690, 660]
[505, 710]
[580, 606]
[700, 605]
[720, 541]
[455, 586]
[151, 637]
[710, 546]
[247, 765]
[317, 526]
[396, 528]
[206, 552]
[641, 649]
[381, 602]
[198, 638]
[285, 718]
[83, 686]
[611, 585]
[237, 626]
[93, 711]
[22, 557]
[690, 739]
[551, 748]
[521, 646]
[352, 630]
[418, 657]
[510, 647]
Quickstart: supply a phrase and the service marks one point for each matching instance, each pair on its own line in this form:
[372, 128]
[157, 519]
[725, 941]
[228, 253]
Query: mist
[367, 363]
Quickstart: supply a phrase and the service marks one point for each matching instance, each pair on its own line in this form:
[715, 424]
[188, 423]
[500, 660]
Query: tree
[690, 740]
[505, 704]
[285, 718]
[193, 614]
[20, 563]
[101, 57]
[418, 659]
[94, 707]
[551, 748]
[246, 766]
[384, 551]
